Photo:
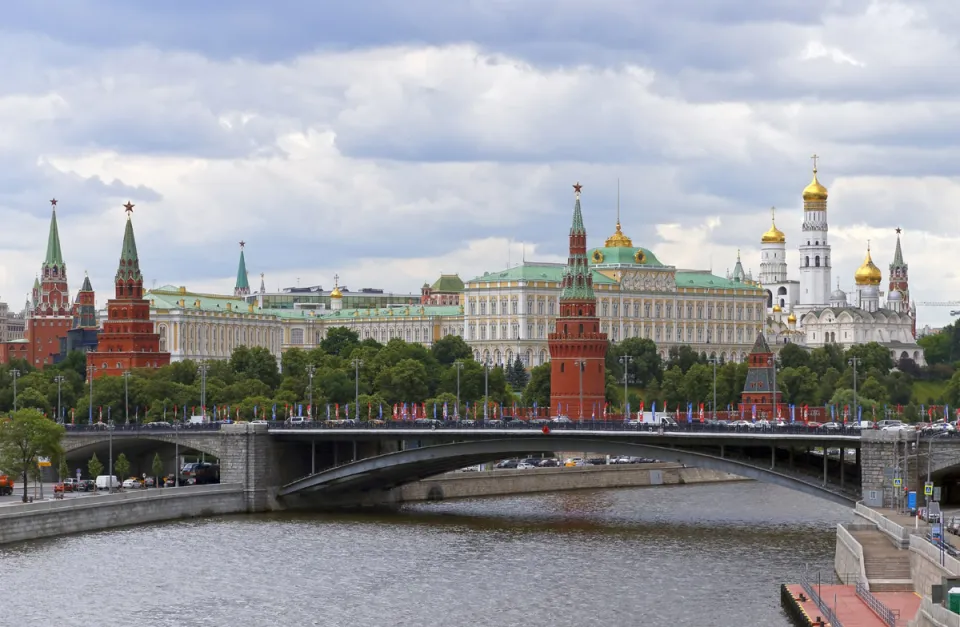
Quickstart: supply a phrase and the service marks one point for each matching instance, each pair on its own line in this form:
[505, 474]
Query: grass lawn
[924, 391]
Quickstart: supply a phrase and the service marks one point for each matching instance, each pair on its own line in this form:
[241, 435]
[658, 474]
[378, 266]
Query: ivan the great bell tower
[577, 347]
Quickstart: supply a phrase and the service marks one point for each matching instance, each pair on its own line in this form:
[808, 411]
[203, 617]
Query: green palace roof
[400, 311]
[448, 283]
[623, 256]
[531, 271]
[703, 279]
[169, 297]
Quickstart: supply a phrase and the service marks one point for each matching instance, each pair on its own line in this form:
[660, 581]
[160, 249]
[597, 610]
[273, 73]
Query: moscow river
[691, 555]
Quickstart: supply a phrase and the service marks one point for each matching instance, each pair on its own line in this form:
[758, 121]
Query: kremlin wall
[539, 312]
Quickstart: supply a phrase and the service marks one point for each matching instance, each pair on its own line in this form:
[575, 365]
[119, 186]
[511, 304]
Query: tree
[683, 357]
[94, 467]
[157, 468]
[121, 465]
[340, 341]
[448, 349]
[516, 375]
[25, 436]
[63, 471]
[793, 356]
[645, 363]
[537, 391]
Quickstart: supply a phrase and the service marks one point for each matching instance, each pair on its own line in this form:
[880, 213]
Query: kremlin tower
[898, 296]
[82, 335]
[814, 249]
[50, 316]
[577, 347]
[127, 340]
[242, 288]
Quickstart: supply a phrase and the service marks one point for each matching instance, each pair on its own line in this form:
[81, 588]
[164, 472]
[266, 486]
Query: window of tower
[816, 261]
[818, 243]
[580, 312]
[581, 328]
[826, 260]
[806, 261]
[561, 367]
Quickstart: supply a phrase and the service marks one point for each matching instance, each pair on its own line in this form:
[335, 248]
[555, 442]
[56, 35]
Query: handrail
[824, 608]
[887, 615]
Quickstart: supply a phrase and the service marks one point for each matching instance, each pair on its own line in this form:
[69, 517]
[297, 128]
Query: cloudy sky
[388, 141]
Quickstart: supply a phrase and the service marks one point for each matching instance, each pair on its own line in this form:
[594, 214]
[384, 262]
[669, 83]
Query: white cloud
[817, 50]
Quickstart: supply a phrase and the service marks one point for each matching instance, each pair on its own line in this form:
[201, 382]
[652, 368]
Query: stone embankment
[46, 519]
[461, 485]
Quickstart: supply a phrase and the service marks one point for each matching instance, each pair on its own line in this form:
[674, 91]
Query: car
[158, 424]
[525, 466]
[132, 482]
[832, 426]
[258, 422]
[86, 485]
[69, 485]
[561, 420]
[106, 482]
[549, 462]
[574, 461]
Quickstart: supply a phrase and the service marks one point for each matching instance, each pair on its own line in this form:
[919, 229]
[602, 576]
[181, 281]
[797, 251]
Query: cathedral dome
[777, 309]
[868, 273]
[815, 191]
[894, 296]
[838, 294]
[792, 318]
[618, 239]
[773, 236]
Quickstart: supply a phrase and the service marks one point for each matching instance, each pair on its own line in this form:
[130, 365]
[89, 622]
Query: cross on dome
[815, 158]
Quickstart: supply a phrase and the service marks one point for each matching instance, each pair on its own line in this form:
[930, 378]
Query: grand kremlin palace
[500, 314]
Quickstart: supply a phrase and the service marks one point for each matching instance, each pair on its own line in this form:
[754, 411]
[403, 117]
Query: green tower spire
[242, 288]
[54, 255]
[577, 279]
[129, 268]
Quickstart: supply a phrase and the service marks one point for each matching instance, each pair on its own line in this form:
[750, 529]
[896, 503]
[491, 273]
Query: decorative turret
[773, 234]
[577, 282]
[51, 296]
[242, 288]
[738, 274]
[336, 296]
[618, 239]
[815, 266]
[898, 296]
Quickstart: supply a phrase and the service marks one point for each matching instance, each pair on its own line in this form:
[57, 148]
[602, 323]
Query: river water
[691, 555]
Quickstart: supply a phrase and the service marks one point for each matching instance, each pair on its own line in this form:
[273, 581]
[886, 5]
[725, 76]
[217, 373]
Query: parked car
[507, 463]
[200, 473]
[132, 482]
[86, 485]
[106, 482]
[525, 466]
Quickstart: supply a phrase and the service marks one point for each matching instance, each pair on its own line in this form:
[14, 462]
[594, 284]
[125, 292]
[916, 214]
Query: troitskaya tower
[814, 246]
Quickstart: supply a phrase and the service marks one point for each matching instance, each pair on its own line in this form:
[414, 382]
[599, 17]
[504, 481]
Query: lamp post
[581, 366]
[714, 360]
[625, 360]
[486, 386]
[126, 396]
[90, 370]
[202, 369]
[16, 375]
[311, 370]
[854, 361]
[176, 454]
[59, 379]
[356, 363]
[458, 366]
[110, 457]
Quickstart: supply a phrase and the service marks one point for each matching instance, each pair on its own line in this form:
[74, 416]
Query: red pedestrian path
[851, 610]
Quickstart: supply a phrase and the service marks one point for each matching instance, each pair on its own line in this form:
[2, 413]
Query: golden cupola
[868, 273]
[774, 235]
[814, 193]
[792, 318]
[335, 292]
[618, 239]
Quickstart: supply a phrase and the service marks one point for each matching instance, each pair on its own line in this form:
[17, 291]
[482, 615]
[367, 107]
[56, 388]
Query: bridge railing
[890, 617]
[149, 427]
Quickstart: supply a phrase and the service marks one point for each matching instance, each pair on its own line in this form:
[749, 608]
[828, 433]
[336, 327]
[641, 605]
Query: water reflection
[661, 556]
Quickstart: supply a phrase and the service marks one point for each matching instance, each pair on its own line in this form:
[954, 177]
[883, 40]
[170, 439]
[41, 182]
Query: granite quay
[31, 521]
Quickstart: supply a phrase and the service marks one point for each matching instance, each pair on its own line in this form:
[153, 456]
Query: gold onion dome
[815, 191]
[792, 318]
[777, 309]
[774, 235]
[868, 273]
[335, 292]
[618, 239]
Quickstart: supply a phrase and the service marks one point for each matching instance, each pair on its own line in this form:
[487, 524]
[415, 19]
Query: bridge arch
[80, 445]
[385, 472]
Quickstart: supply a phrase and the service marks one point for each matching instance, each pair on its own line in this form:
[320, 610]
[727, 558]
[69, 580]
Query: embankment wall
[461, 485]
[46, 519]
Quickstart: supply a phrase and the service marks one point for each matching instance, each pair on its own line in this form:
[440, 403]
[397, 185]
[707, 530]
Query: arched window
[816, 261]
[806, 262]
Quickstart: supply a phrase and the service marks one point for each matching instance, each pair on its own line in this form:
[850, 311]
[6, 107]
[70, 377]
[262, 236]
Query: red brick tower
[127, 340]
[51, 317]
[577, 347]
[760, 386]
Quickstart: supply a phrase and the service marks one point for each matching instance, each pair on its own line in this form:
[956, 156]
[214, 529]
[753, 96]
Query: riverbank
[464, 485]
[45, 519]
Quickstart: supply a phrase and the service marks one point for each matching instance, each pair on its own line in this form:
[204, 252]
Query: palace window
[540, 331]
[689, 311]
[739, 336]
[659, 309]
[699, 312]
[540, 306]
[473, 307]
[679, 334]
[516, 331]
[646, 310]
[710, 312]
[551, 307]
[503, 332]
[616, 310]
[689, 335]
[658, 334]
[529, 330]
[739, 313]
[636, 310]
[529, 304]
[296, 336]
[699, 335]
[483, 307]
[493, 307]
[513, 306]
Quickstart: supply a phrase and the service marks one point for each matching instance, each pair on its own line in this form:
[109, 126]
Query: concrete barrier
[900, 536]
[848, 561]
[46, 519]
[461, 485]
[934, 615]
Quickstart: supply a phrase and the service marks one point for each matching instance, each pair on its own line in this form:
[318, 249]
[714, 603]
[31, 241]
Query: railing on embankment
[31, 521]
[810, 587]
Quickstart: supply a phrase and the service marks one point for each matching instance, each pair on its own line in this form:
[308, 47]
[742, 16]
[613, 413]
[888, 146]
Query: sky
[388, 142]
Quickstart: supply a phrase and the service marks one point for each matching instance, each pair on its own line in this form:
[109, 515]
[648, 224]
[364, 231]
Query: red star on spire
[577, 187]
[129, 207]
[899, 230]
[53, 201]
[242, 244]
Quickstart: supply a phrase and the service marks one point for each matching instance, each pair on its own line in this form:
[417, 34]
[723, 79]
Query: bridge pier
[773, 457]
[825, 460]
[843, 452]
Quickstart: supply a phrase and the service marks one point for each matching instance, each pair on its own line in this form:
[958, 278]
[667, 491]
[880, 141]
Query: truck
[6, 485]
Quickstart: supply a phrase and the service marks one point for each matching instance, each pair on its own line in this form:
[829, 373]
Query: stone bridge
[210, 442]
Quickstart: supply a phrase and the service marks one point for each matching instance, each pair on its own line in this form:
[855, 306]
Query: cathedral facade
[808, 313]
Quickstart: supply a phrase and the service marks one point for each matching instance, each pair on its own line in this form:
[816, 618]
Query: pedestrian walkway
[887, 567]
[851, 610]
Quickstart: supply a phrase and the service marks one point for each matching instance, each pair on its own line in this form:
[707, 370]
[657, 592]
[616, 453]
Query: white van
[104, 481]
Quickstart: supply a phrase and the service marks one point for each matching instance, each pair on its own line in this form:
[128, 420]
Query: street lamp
[176, 454]
[126, 396]
[714, 361]
[625, 360]
[486, 386]
[202, 369]
[458, 366]
[59, 379]
[311, 370]
[581, 366]
[356, 363]
[110, 458]
[90, 370]
[854, 361]
[16, 375]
